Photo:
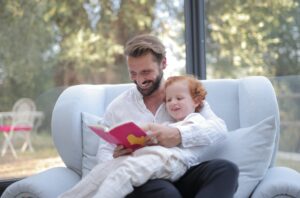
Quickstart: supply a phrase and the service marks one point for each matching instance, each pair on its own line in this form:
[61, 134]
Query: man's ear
[164, 63]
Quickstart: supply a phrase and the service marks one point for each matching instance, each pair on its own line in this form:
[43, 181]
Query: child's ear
[198, 102]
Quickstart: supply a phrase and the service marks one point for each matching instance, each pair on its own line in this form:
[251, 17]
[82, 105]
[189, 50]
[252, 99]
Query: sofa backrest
[240, 102]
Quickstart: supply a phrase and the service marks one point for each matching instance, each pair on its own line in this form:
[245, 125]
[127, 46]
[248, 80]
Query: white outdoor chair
[21, 119]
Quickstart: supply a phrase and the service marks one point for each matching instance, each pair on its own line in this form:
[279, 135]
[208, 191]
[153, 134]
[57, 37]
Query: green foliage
[253, 37]
[24, 36]
[58, 43]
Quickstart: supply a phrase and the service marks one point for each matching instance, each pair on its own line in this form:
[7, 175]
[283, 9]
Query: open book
[128, 134]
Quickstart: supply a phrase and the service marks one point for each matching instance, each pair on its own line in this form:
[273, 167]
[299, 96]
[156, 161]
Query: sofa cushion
[250, 149]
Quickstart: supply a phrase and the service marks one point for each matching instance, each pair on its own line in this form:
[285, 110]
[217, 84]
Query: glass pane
[47, 46]
[247, 38]
[288, 95]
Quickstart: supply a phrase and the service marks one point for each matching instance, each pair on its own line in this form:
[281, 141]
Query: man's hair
[143, 44]
[196, 88]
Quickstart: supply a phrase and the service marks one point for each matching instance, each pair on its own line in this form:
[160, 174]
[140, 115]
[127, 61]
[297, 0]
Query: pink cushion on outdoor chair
[7, 128]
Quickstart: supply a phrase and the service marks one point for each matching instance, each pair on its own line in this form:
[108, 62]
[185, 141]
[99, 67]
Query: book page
[100, 131]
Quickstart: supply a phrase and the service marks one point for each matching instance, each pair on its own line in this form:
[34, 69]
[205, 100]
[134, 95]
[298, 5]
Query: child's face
[179, 101]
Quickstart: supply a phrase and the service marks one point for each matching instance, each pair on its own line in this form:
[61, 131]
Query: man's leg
[211, 179]
[155, 188]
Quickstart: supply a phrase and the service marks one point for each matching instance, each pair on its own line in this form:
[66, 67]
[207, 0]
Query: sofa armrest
[47, 184]
[279, 182]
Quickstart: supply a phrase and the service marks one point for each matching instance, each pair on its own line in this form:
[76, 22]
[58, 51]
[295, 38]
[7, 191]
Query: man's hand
[165, 135]
[120, 151]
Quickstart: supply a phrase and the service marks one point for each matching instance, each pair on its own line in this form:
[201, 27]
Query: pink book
[128, 134]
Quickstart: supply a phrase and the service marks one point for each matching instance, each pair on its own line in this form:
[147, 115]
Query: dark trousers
[212, 179]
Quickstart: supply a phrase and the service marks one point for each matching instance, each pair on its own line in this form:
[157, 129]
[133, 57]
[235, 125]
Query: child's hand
[145, 127]
[150, 139]
[120, 151]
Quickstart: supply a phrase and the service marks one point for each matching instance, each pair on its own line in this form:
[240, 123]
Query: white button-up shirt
[205, 129]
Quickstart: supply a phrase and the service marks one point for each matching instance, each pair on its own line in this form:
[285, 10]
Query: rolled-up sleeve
[203, 130]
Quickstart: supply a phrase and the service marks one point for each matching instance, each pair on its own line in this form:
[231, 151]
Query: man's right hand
[120, 151]
[163, 135]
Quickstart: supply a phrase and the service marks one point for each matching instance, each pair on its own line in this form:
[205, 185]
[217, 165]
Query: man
[146, 60]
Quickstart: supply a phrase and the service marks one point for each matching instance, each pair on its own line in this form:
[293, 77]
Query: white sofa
[242, 103]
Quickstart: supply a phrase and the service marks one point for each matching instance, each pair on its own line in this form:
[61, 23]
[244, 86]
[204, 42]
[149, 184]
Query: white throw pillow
[250, 149]
[90, 142]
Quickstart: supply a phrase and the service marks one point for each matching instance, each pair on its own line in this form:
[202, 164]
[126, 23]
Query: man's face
[145, 73]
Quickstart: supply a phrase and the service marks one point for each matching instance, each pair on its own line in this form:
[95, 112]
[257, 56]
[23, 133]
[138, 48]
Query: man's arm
[105, 149]
[203, 129]
[207, 128]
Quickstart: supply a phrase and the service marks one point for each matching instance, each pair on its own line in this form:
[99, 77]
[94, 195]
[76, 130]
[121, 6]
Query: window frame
[194, 12]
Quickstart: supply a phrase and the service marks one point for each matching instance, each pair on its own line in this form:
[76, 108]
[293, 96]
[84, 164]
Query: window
[50, 45]
[260, 38]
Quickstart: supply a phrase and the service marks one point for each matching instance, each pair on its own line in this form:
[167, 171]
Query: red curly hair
[197, 90]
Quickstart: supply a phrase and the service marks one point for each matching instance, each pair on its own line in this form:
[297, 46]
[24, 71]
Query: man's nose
[140, 79]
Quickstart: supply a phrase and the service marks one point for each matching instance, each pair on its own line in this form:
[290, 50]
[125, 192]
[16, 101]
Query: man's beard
[155, 85]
